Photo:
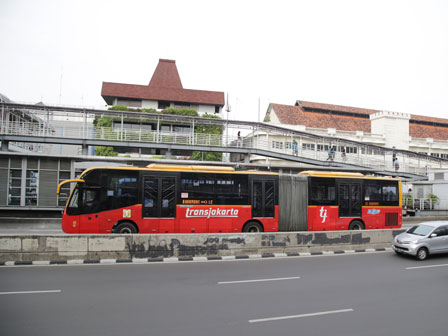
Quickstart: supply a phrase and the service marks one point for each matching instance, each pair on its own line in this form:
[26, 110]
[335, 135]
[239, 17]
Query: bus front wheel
[356, 225]
[253, 227]
[125, 228]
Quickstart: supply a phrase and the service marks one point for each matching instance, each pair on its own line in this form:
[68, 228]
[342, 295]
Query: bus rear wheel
[356, 225]
[126, 228]
[253, 227]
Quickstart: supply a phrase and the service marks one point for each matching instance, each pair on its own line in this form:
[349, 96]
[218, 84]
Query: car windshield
[421, 230]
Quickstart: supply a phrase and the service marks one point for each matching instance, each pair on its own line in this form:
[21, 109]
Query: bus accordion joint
[67, 181]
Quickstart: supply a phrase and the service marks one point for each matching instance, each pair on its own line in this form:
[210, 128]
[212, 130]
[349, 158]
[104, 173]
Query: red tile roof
[426, 131]
[348, 109]
[113, 90]
[318, 115]
[165, 84]
[295, 115]
[166, 75]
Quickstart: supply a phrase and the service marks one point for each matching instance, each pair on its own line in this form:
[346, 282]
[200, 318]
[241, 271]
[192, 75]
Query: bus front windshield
[104, 190]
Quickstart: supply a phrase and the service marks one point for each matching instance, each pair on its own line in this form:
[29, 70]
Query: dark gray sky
[386, 55]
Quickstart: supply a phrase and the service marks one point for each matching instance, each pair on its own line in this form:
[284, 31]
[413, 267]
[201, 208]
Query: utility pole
[228, 109]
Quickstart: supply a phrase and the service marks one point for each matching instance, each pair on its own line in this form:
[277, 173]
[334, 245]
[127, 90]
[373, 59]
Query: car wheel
[422, 253]
[356, 225]
[126, 228]
[253, 227]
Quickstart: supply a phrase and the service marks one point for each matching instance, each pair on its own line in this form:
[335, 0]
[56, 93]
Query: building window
[308, 146]
[277, 144]
[14, 189]
[322, 148]
[163, 104]
[348, 149]
[131, 126]
[182, 105]
[370, 151]
[32, 182]
[130, 102]
[438, 176]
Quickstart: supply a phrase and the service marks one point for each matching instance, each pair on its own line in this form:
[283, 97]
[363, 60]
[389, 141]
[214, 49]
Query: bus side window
[373, 193]
[390, 192]
[322, 191]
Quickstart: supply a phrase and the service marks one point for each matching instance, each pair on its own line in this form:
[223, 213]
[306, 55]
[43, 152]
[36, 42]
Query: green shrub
[105, 151]
[434, 199]
[181, 112]
[206, 156]
[119, 108]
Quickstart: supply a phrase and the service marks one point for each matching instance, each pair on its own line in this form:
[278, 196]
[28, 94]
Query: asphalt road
[361, 294]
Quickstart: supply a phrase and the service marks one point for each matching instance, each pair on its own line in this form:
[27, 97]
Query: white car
[423, 239]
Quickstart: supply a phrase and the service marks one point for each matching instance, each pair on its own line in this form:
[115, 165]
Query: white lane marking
[32, 292]
[302, 315]
[256, 280]
[428, 266]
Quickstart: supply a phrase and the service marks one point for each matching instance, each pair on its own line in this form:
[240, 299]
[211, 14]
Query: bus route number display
[197, 202]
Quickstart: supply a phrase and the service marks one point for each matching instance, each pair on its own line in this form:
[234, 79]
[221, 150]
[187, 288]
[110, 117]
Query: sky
[386, 55]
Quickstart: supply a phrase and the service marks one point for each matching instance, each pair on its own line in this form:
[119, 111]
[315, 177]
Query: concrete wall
[394, 126]
[94, 247]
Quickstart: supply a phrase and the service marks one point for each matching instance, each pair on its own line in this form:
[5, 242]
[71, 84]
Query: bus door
[159, 203]
[263, 198]
[350, 199]
[89, 205]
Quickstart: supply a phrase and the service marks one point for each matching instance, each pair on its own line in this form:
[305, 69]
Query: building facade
[423, 135]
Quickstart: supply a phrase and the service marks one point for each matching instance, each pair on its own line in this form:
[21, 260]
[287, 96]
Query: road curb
[187, 259]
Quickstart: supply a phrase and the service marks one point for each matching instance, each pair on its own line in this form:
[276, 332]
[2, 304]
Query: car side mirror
[433, 235]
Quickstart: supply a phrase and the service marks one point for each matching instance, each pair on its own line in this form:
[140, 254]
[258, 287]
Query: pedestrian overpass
[53, 130]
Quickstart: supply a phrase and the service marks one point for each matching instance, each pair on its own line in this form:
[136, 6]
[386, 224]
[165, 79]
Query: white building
[437, 185]
[424, 135]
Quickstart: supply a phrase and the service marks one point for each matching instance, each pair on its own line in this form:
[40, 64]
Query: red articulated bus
[199, 199]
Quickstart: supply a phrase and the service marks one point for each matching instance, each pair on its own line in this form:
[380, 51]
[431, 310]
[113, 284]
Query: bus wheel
[252, 227]
[356, 225]
[125, 228]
